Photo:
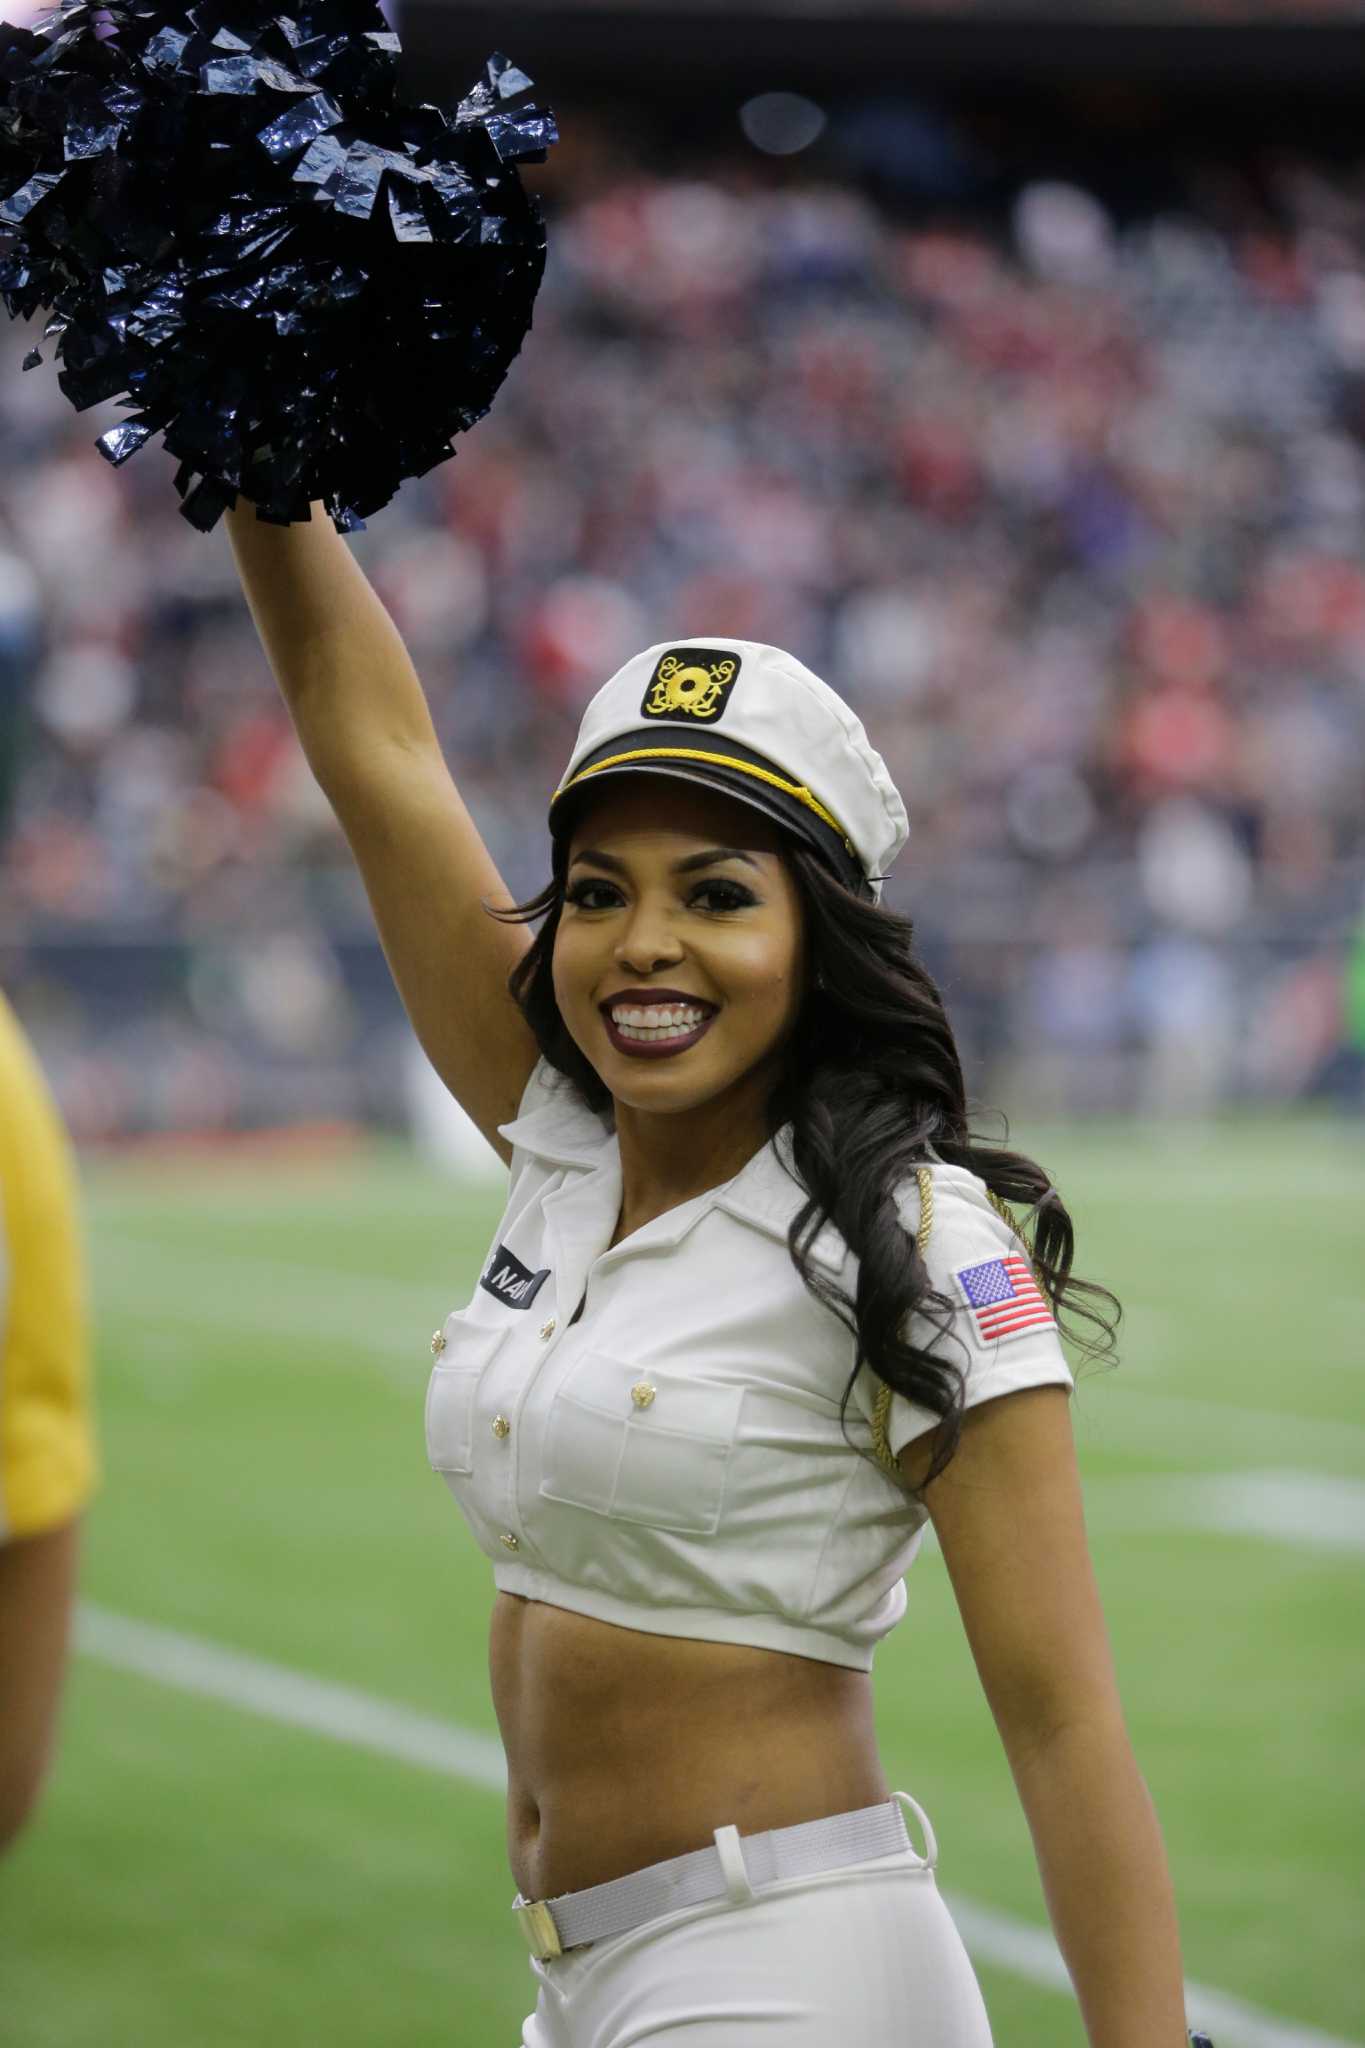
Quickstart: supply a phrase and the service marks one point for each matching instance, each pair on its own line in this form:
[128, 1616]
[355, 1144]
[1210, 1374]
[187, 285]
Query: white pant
[867, 1956]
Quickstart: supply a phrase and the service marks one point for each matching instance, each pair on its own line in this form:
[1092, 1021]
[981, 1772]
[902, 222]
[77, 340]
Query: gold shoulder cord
[882, 1410]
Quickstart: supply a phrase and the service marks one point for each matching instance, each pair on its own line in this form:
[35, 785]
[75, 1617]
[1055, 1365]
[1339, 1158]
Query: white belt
[733, 1868]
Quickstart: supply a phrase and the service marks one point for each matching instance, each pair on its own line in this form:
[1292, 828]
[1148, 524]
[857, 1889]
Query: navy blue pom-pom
[305, 285]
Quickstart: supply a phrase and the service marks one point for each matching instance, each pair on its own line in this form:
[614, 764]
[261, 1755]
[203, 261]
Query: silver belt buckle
[538, 1925]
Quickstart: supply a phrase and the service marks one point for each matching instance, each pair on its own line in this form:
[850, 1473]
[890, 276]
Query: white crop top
[673, 1461]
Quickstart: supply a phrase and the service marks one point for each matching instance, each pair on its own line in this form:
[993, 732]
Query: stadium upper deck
[1070, 506]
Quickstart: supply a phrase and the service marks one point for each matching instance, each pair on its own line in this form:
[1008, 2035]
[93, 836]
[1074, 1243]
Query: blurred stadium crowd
[1070, 511]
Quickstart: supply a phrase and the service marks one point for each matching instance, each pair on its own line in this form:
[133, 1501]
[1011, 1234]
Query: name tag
[506, 1279]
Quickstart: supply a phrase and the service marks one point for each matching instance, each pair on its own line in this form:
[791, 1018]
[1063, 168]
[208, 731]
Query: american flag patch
[1004, 1298]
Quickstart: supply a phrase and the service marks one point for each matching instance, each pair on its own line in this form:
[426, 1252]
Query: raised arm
[362, 719]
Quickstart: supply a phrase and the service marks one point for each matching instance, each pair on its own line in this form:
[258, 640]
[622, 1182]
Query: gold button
[548, 1329]
[512, 1542]
[500, 1425]
[438, 1343]
[642, 1394]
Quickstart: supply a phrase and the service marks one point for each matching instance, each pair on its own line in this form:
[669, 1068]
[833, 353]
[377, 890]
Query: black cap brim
[743, 774]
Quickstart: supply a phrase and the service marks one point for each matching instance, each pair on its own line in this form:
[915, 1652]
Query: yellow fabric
[48, 1463]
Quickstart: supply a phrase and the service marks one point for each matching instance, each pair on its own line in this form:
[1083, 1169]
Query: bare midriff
[624, 1748]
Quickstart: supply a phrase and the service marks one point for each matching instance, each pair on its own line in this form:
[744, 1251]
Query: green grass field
[202, 1875]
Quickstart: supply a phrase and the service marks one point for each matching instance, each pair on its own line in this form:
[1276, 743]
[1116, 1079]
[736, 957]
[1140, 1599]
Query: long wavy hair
[872, 1079]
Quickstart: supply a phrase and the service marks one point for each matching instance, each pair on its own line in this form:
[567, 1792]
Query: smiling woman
[695, 866]
[744, 1194]
[668, 929]
[754, 1278]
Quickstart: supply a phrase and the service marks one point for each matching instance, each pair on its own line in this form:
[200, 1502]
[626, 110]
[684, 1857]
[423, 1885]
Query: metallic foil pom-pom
[305, 285]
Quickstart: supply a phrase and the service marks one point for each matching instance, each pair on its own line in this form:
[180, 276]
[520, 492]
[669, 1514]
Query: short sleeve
[1001, 1332]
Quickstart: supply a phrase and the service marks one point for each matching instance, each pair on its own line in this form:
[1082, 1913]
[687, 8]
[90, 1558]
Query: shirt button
[438, 1343]
[548, 1329]
[642, 1394]
[500, 1425]
[512, 1542]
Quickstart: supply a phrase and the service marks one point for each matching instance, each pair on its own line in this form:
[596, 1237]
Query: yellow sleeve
[48, 1467]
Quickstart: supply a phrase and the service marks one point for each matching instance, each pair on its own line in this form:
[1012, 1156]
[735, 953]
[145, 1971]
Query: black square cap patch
[691, 683]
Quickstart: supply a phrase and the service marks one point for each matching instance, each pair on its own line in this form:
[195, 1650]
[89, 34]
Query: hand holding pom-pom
[307, 286]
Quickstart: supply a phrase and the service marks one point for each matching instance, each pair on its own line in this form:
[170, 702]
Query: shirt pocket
[469, 1350]
[641, 1444]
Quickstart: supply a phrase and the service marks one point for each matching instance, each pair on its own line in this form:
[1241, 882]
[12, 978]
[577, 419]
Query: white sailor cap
[755, 722]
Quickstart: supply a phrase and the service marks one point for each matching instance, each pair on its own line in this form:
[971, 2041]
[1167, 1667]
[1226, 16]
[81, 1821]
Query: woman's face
[729, 932]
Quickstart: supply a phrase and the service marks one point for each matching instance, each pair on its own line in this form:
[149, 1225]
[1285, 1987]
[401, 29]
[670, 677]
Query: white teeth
[659, 1031]
[665, 1021]
[659, 1015]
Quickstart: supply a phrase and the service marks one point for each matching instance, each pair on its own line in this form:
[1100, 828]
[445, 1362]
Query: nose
[646, 944]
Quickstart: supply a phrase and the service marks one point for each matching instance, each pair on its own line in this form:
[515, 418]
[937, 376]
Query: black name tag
[508, 1280]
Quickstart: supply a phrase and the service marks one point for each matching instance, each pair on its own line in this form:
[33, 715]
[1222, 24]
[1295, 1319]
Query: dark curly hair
[872, 1078]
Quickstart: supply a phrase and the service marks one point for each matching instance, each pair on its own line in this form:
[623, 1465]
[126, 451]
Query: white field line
[346, 1715]
[123, 1264]
[1032, 1953]
[251, 1296]
[278, 1694]
[1192, 1184]
[1158, 1423]
[1312, 1510]
[1150, 1333]
[1159, 1322]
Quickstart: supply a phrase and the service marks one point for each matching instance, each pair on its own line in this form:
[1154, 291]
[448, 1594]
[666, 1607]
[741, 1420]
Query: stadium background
[1010, 368]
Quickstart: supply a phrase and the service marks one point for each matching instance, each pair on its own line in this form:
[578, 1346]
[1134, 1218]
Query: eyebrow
[680, 867]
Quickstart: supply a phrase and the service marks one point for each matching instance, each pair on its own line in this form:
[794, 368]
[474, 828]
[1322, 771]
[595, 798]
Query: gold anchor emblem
[692, 689]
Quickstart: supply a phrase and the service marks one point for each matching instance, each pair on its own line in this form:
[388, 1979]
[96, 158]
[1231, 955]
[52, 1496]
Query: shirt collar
[561, 1131]
[767, 1194]
[764, 1193]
